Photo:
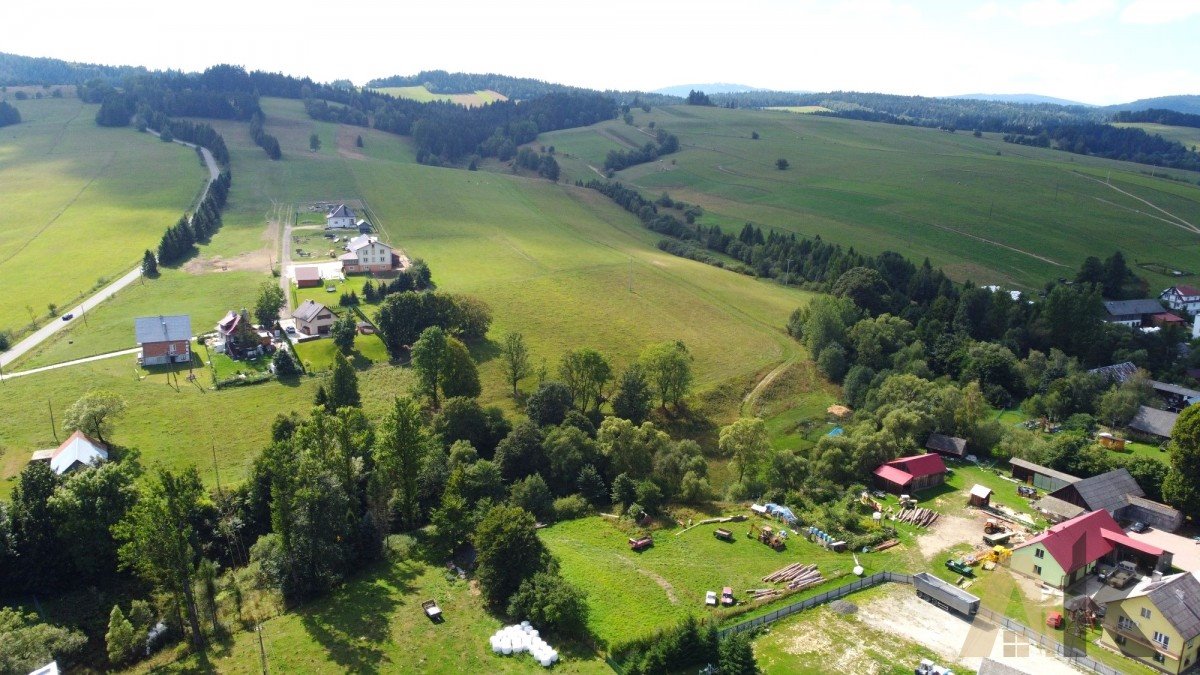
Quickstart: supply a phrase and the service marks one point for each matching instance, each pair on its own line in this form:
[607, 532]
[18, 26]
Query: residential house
[1153, 421]
[907, 475]
[307, 276]
[1158, 623]
[1041, 477]
[1175, 397]
[313, 318]
[1132, 313]
[947, 445]
[238, 338]
[341, 216]
[364, 226]
[77, 452]
[1182, 298]
[1164, 319]
[1067, 552]
[365, 253]
[163, 339]
[1119, 494]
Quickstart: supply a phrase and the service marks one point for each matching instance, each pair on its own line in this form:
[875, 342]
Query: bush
[571, 507]
[552, 604]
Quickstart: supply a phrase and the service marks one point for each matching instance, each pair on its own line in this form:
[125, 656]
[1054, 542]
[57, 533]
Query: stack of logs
[920, 516]
[797, 576]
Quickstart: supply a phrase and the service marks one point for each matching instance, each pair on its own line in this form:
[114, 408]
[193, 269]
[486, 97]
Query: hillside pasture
[422, 94]
[985, 210]
[81, 203]
[1188, 136]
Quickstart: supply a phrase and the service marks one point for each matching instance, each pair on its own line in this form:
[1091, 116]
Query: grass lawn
[225, 367]
[89, 198]
[1146, 450]
[317, 355]
[980, 208]
[1004, 492]
[631, 594]
[375, 624]
[319, 294]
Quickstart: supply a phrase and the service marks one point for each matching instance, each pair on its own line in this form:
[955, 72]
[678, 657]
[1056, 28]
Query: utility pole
[216, 471]
[630, 274]
[787, 272]
[262, 651]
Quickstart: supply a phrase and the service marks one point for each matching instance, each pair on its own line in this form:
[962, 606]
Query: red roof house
[910, 474]
[1076, 545]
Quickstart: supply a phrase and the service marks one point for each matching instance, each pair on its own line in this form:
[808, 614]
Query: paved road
[42, 334]
[64, 364]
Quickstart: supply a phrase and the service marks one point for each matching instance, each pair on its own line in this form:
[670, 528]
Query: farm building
[365, 253]
[1132, 313]
[313, 318]
[341, 216]
[1041, 477]
[980, 496]
[1119, 494]
[1157, 623]
[1174, 396]
[1068, 551]
[307, 276]
[1182, 298]
[946, 445]
[1164, 319]
[911, 474]
[1117, 372]
[78, 451]
[163, 339]
[1153, 421]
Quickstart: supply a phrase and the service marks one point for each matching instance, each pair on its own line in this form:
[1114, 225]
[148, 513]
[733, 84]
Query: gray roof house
[1153, 421]
[946, 445]
[1117, 372]
[163, 339]
[1119, 494]
[1177, 597]
[1131, 312]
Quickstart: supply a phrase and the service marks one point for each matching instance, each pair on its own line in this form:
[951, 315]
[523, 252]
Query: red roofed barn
[910, 474]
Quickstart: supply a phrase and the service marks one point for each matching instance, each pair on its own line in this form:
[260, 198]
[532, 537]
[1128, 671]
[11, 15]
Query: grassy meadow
[422, 94]
[985, 210]
[1188, 136]
[81, 203]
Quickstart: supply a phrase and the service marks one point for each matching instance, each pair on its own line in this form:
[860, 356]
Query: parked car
[710, 598]
[68, 317]
[1138, 527]
[727, 596]
[291, 330]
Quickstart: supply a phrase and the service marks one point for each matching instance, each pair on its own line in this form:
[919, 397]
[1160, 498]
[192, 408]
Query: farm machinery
[767, 535]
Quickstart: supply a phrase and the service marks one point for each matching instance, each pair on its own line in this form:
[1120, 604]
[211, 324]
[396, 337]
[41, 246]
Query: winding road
[45, 332]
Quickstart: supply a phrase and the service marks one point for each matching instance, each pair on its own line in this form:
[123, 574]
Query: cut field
[802, 109]
[81, 203]
[422, 94]
[632, 594]
[984, 210]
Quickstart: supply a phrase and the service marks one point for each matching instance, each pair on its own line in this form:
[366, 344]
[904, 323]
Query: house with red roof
[1067, 552]
[907, 475]
[1186, 298]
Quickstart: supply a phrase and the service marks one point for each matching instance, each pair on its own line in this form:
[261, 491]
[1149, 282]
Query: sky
[1094, 51]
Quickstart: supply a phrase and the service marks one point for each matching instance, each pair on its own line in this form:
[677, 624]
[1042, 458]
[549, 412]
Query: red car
[727, 596]
[641, 544]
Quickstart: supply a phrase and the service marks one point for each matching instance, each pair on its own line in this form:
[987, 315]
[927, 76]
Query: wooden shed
[980, 496]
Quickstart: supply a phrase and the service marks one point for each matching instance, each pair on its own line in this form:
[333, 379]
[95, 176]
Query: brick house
[163, 339]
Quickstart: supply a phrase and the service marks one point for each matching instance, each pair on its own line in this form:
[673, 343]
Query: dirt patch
[901, 612]
[666, 585]
[951, 531]
[347, 142]
[253, 261]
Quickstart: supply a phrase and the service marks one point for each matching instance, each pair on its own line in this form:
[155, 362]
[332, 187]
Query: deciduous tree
[509, 552]
[94, 413]
[514, 360]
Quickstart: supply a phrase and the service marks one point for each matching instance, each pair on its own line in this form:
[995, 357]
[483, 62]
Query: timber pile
[886, 545]
[763, 593]
[797, 576]
[920, 516]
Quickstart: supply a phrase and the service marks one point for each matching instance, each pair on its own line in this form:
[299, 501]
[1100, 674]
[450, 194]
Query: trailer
[945, 595]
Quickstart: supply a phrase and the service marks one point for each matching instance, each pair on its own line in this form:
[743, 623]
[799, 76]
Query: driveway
[64, 364]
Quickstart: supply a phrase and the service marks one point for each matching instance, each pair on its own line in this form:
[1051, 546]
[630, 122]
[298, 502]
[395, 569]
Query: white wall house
[365, 253]
[340, 217]
[1184, 298]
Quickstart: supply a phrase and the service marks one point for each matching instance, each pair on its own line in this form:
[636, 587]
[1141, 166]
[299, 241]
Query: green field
[804, 109]
[422, 94]
[1188, 136]
[985, 210]
[81, 203]
[317, 355]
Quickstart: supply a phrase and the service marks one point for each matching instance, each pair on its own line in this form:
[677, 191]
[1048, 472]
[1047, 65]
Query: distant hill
[682, 90]
[1184, 103]
[1019, 98]
[17, 70]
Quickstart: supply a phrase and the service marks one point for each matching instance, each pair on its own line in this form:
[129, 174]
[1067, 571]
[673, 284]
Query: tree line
[666, 143]
[9, 114]
[1104, 140]
[262, 139]
[23, 70]
[521, 88]
[179, 240]
[1158, 116]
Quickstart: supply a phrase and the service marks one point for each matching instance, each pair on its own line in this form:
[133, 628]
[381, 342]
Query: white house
[313, 318]
[77, 452]
[340, 217]
[1186, 298]
[365, 253]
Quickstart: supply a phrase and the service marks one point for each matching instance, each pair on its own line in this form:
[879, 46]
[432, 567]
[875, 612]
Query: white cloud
[1045, 13]
[1159, 11]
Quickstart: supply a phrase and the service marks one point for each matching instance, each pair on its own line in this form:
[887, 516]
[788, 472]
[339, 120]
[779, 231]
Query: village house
[340, 217]
[947, 445]
[1041, 477]
[77, 452]
[1067, 552]
[1132, 313]
[1115, 492]
[1158, 623]
[313, 318]
[163, 339]
[366, 254]
[307, 276]
[907, 475]
[1182, 298]
[1153, 421]
[238, 338]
